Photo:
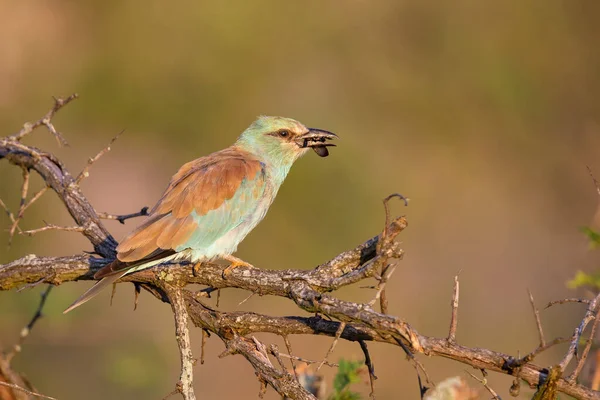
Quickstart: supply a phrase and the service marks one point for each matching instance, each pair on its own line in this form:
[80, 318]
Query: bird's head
[281, 141]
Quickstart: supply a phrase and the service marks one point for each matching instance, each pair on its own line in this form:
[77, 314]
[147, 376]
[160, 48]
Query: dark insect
[321, 151]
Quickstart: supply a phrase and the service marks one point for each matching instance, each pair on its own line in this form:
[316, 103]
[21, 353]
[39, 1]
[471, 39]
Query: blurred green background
[485, 114]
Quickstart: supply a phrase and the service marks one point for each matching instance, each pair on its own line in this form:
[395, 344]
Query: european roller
[213, 202]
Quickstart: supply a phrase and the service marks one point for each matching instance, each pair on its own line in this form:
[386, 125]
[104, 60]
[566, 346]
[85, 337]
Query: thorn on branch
[338, 334]
[418, 366]
[288, 346]
[246, 299]
[24, 189]
[274, 350]
[23, 205]
[205, 336]
[263, 388]
[308, 362]
[86, 170]
[454, 316]
[514, 363]
[112, 293]
[380, 295]
[137, 289]
[122, 218]
[538, 322]
[594, 179]
[205, 292]
[31, 285]
[12, 218]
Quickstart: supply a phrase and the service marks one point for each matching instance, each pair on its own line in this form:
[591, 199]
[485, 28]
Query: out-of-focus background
[484, 114]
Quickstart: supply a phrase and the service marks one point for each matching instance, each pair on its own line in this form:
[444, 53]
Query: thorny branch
[308, 289]
[8, 377]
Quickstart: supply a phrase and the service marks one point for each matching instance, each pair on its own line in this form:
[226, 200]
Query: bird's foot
[196, 269]
[234, 263]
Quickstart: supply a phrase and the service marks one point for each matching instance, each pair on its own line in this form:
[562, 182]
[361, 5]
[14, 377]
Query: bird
[213, 202]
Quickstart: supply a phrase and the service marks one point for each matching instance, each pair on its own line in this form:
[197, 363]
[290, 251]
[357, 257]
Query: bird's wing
[205, 199]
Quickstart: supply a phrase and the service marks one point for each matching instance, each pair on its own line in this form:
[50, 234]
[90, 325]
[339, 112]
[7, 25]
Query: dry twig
[29, 392]
[586, 350]
[46, 120]
[563, 301]
[186, 380]
[52, 227]
[454, 315]
[27, 329]
[538, 322]
[338, 334]
[122, 218]
[483, 381]
[590, 314]
[307, 361]
[594, 179]
[370, 367]
[86, 170]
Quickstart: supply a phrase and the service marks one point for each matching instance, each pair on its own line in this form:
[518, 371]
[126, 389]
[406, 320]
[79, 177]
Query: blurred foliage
[347, 374]
[593, 237]
[587, 279]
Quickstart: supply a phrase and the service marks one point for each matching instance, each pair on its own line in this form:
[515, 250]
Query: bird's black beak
[316, 139]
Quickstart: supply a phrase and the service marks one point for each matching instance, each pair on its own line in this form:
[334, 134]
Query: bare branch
[52, 227]
[594, 179]
[29, 392]
[370, 367]
[86, 170]
[12, 218]
[204, 337]
[589, 315]
[338, 334]
[27, 329]
[122, 218]
[24, 189]
[47, 121]
[454, 316]
[586, 351]
[563, 301]
[483, 381]
[186, 379]
[288, 346]
[380, 295]
[307, 361]
[518, 362]
[538, 322]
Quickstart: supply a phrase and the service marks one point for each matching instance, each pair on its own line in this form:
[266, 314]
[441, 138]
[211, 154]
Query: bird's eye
[284, 133]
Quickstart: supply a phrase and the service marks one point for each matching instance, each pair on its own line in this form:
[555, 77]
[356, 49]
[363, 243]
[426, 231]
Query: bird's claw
[234, 263]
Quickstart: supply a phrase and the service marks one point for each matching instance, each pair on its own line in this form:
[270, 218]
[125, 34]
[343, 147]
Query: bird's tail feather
[94, 290]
